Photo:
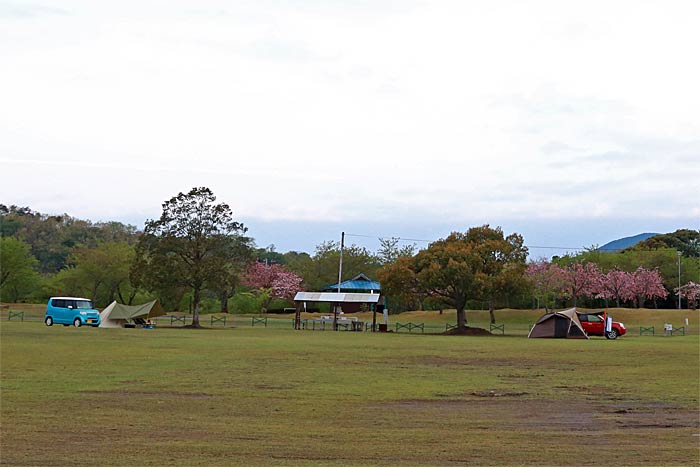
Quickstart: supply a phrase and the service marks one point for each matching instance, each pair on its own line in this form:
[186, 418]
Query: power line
[534, 247]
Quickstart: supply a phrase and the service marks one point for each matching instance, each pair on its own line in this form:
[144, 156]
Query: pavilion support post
[374, 317]
[297, 315]
[335, 316]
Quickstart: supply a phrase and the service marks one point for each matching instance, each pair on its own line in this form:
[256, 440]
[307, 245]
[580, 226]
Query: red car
[594, 325]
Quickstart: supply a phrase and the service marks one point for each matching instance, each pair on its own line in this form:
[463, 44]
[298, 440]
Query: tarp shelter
[336, 300]
[562, 324]
[116, 314]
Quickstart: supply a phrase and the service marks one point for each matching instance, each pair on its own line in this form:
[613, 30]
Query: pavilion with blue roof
[358, 284]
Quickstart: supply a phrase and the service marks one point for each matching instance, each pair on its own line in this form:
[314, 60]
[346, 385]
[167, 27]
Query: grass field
[260, 396]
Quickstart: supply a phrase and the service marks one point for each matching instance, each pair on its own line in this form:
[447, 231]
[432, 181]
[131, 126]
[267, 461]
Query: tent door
[561, 327]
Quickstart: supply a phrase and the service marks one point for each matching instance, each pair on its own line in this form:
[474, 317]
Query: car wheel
[612, 334]
[49, 321]
[77, 323]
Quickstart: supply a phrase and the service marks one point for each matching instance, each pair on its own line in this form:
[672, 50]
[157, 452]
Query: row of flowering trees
[585, 280]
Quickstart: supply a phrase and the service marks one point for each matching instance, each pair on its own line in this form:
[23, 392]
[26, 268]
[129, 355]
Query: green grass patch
[261, 396]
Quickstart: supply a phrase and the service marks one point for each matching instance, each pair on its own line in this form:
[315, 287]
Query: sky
[572, 123]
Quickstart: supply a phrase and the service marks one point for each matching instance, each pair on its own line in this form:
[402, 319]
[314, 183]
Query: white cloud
[343, 110]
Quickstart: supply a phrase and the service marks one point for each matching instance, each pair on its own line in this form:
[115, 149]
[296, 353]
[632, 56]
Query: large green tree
[501, 271]
[189, 245]
[100, 272]
[401, 286]
[18, 277]
[239, 252]
[472, 265]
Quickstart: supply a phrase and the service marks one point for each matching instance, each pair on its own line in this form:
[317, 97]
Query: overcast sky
[570, 122]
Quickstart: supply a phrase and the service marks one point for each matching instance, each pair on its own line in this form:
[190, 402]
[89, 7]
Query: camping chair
[142, 323]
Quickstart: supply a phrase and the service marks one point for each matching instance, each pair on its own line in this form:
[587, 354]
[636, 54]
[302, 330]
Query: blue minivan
[71, 310]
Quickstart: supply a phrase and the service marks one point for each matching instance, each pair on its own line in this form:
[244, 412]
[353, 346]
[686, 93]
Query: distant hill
[622, 243]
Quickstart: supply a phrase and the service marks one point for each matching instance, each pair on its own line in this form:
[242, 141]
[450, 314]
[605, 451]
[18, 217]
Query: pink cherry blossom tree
[617, 285]
[271, 281]
[691, 292]
[546, 281]
[648, 285]
[580, 280]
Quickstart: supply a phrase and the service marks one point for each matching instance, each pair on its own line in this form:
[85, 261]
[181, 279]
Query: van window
[83, 304]
[58, 303]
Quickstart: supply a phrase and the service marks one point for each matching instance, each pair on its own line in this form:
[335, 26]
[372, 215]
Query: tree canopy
[189, 245]
[18, 276]
[480, 263]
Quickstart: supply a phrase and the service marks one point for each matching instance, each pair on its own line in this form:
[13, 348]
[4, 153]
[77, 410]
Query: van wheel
[49, 321]
[611, 335]
[77, 323]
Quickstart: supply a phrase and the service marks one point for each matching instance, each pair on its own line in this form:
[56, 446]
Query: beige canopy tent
[562, 324]
[116, 314]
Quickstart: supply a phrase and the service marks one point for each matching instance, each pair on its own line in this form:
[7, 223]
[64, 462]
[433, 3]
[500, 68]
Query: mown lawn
[256, 396]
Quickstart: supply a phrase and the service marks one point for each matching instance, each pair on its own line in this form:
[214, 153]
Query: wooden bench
[410, 326]
[497, 327]
[15, 314]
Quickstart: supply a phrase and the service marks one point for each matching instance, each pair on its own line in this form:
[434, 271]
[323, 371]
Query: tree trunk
[224, 301]
[112, 292]
[461, 318]
[491, 312]
[132, 296]
[265, 305]
[195, 313]
[94, 291]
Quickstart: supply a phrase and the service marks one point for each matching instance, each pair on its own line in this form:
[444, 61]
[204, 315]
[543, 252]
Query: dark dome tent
[559, 324]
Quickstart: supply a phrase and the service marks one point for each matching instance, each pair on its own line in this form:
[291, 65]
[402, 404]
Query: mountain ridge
[625, 242]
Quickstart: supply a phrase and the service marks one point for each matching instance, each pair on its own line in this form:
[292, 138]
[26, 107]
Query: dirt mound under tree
[467, 332]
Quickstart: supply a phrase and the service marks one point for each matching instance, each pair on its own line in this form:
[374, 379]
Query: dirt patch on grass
[150, 394]
[514, 410]
[494, 393]
[467, 332]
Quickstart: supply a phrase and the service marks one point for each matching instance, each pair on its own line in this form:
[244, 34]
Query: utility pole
[340, 266]
[679, 279]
